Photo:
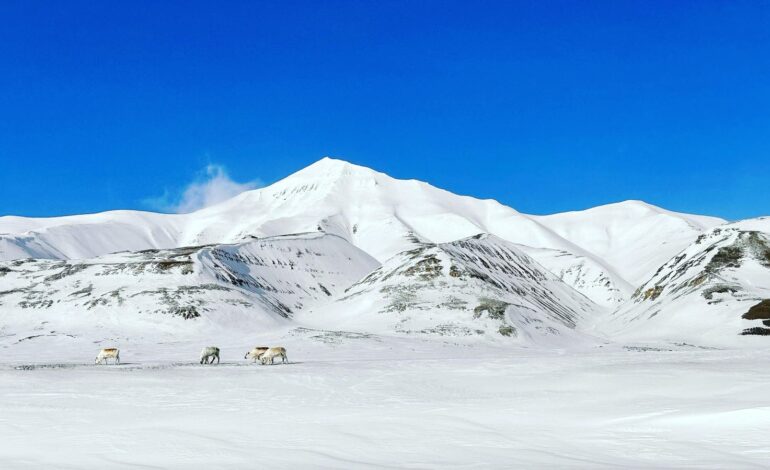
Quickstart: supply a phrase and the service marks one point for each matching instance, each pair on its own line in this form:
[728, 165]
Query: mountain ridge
[343, 246]
[383, 216]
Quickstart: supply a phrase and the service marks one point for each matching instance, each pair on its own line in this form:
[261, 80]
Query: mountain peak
[329, 167]
[329, 162]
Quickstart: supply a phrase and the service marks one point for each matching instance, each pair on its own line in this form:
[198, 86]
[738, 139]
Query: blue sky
[544, 106]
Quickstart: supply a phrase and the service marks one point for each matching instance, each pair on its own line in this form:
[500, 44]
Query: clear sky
[544, 106]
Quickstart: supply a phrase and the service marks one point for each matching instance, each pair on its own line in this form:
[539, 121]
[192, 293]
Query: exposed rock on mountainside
[710, 287]
[583, 274]
[257, 282]
[760, 311]
[479, 286]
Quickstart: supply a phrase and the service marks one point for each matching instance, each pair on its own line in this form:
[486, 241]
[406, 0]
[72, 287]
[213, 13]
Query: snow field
[384, 402]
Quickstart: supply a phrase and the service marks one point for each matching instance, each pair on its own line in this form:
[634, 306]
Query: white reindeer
[271, 353]
[108, 353]
[256, 353]
[209, 352]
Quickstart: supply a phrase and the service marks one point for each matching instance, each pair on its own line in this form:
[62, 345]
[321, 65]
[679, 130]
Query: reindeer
[108, 353]
[271, 353]
[256, 353]
[210, 352]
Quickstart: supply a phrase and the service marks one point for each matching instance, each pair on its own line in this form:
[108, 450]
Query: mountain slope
[706, 291]
[253, 284]
[583, 274]
[89, 235]
[476, 287]
[632, 237]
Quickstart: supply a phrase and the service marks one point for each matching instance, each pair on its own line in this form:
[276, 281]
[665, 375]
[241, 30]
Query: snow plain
[367, 401]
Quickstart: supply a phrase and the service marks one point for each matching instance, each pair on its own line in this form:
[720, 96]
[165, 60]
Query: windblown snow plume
[213, 187]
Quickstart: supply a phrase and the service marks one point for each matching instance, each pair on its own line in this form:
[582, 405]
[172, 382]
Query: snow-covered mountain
[603, 252]
[258, 284]
[716, 288]
[337, 243]
[632, 237]
[480, 286]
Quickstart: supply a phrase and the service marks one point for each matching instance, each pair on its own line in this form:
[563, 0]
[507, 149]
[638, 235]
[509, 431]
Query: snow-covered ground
[365, 401]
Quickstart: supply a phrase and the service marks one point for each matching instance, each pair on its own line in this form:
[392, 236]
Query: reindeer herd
[265, 355]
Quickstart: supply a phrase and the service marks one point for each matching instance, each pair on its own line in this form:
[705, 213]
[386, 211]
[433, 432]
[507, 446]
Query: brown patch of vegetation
[507, 330]
[495, 309]
[426, 269]
[760, 311]
[652, 293]
[167, 265]
[699, 280]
